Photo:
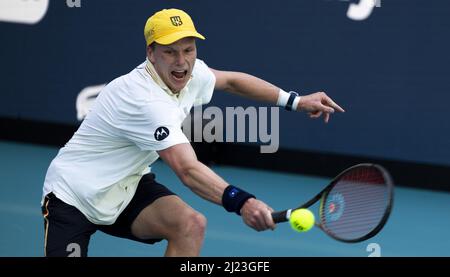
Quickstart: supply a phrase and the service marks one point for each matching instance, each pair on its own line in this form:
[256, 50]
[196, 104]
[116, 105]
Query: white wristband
[283, 98]
[295, 104]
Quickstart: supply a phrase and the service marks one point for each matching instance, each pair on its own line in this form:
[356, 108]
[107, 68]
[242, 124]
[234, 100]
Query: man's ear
[150, 53]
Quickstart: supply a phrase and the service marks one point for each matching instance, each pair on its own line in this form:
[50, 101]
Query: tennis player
[101, 180]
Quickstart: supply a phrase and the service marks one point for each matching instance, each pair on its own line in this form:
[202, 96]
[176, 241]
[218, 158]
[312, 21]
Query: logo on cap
[161, 133]
[167, 26]
[176, 20]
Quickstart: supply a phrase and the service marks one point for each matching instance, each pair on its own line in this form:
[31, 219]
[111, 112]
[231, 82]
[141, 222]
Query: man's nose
[181, 59]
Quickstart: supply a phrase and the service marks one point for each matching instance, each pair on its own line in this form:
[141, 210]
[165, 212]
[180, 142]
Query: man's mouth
[179, 74]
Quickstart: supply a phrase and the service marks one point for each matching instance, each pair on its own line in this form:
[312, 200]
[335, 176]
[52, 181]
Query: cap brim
[164, 40]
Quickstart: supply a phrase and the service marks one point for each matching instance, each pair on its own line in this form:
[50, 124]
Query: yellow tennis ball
[301, 220]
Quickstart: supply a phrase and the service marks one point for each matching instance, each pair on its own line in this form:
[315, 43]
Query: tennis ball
[301, 220]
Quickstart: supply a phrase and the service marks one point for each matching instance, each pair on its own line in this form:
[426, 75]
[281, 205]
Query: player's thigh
[165, 217]
[67, 231]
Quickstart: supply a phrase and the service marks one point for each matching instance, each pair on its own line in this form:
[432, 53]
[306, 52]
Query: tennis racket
[354, 206]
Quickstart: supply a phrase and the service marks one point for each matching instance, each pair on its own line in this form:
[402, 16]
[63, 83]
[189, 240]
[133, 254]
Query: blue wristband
[233, 199]
[291, 100]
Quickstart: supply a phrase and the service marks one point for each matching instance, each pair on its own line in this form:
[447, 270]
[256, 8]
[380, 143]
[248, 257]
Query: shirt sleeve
[208, 79]
[154, 127]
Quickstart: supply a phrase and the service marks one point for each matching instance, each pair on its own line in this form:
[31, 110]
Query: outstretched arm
[255, 88]
[207, 184]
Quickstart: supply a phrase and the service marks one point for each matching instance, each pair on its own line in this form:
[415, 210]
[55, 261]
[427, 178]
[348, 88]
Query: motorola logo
[161, 133]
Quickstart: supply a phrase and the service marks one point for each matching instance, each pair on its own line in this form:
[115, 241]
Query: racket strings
[356, 205]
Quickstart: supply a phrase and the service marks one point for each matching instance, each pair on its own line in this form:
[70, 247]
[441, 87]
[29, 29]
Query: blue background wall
[389, 72]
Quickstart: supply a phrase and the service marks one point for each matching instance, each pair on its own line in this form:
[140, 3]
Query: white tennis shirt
[98, 170]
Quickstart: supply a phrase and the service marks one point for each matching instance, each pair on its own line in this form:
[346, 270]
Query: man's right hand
[257, 215]
[317, 104]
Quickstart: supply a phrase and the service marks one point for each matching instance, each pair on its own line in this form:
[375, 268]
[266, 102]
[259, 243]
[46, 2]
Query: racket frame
[283, 216]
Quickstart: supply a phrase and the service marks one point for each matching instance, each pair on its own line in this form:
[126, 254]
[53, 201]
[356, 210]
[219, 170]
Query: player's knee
[193, 224]
[202, 222]
[197, 224]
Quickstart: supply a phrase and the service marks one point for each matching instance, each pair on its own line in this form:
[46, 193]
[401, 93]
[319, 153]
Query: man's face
[174, 62]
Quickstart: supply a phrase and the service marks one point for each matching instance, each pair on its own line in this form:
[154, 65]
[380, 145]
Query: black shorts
[68, 231]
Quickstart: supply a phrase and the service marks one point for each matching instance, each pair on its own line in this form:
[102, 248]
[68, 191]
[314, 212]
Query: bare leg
[171, 218]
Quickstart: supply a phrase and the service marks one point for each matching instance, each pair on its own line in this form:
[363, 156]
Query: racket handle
[280, 216]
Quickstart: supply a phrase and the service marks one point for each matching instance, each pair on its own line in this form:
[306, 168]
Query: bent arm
[207, 184]
[194, 174]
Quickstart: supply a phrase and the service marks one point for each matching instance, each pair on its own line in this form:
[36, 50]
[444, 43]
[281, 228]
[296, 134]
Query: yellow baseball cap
[169, 25]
